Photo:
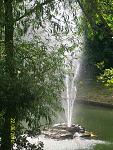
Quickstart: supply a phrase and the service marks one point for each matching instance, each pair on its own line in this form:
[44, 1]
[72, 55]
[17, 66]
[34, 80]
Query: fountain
[72, 67]
[69, 130]
[72, 63]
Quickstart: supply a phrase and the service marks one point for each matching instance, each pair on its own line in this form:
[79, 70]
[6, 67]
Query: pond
[96, 119]
[100, 121]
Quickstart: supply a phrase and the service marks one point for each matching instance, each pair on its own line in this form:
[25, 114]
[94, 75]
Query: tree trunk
[6, 132]
[9, 51]
[9, 30]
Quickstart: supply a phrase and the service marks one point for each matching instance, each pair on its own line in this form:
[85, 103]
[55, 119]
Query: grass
[95, 92]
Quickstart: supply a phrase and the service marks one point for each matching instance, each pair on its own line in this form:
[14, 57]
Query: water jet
[69, 130]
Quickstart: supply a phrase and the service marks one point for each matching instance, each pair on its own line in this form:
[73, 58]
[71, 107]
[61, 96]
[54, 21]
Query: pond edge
[94, 103]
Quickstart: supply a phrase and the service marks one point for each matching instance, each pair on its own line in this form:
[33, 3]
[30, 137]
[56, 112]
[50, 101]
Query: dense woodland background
[31, 74]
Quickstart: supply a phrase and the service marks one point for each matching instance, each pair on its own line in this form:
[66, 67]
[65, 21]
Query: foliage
[98, 34]
[37, 84]
[107, 77]
[23, 143]
[100, 18]
[43, 69]
[30, 73]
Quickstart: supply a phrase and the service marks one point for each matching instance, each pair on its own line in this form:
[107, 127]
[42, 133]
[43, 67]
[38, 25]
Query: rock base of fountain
[62, 131]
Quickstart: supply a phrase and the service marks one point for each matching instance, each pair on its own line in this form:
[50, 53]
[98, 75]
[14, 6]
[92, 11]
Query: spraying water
[72, 67]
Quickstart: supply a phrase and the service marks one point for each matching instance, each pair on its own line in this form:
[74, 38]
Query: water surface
[99, 120]
[96, 119]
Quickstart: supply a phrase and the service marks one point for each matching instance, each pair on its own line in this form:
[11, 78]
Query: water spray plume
[72, 67]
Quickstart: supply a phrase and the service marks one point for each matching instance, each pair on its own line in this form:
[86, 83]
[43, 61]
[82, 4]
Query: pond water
[100, 121]
[96, 119]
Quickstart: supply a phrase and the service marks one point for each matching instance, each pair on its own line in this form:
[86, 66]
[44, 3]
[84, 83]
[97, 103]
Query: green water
[98, 120]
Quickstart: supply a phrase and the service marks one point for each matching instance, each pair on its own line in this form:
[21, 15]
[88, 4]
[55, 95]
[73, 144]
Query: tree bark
[6, 132]
[9, 51]
[87, 15]
[9, 30]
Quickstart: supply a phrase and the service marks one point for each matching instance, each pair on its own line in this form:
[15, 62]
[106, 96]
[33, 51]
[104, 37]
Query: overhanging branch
[29, 12]
[88, 17]
[103, 21]
[93, 24]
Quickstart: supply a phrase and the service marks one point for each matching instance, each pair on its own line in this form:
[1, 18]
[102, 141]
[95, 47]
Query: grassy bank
[95, 93]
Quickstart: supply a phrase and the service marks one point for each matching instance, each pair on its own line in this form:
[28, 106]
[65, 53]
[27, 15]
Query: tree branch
[33, 9]
[103, 21]
[88, 17]
[91, 21]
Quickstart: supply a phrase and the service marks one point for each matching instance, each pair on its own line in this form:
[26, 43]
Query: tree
[98, 33]
[100, 17]
[30, 74]
[31, 80]
[107, 77]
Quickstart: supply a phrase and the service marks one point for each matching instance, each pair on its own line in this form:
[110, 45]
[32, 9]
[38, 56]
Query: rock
[84, 135]
[57, 134]
[62, 131]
